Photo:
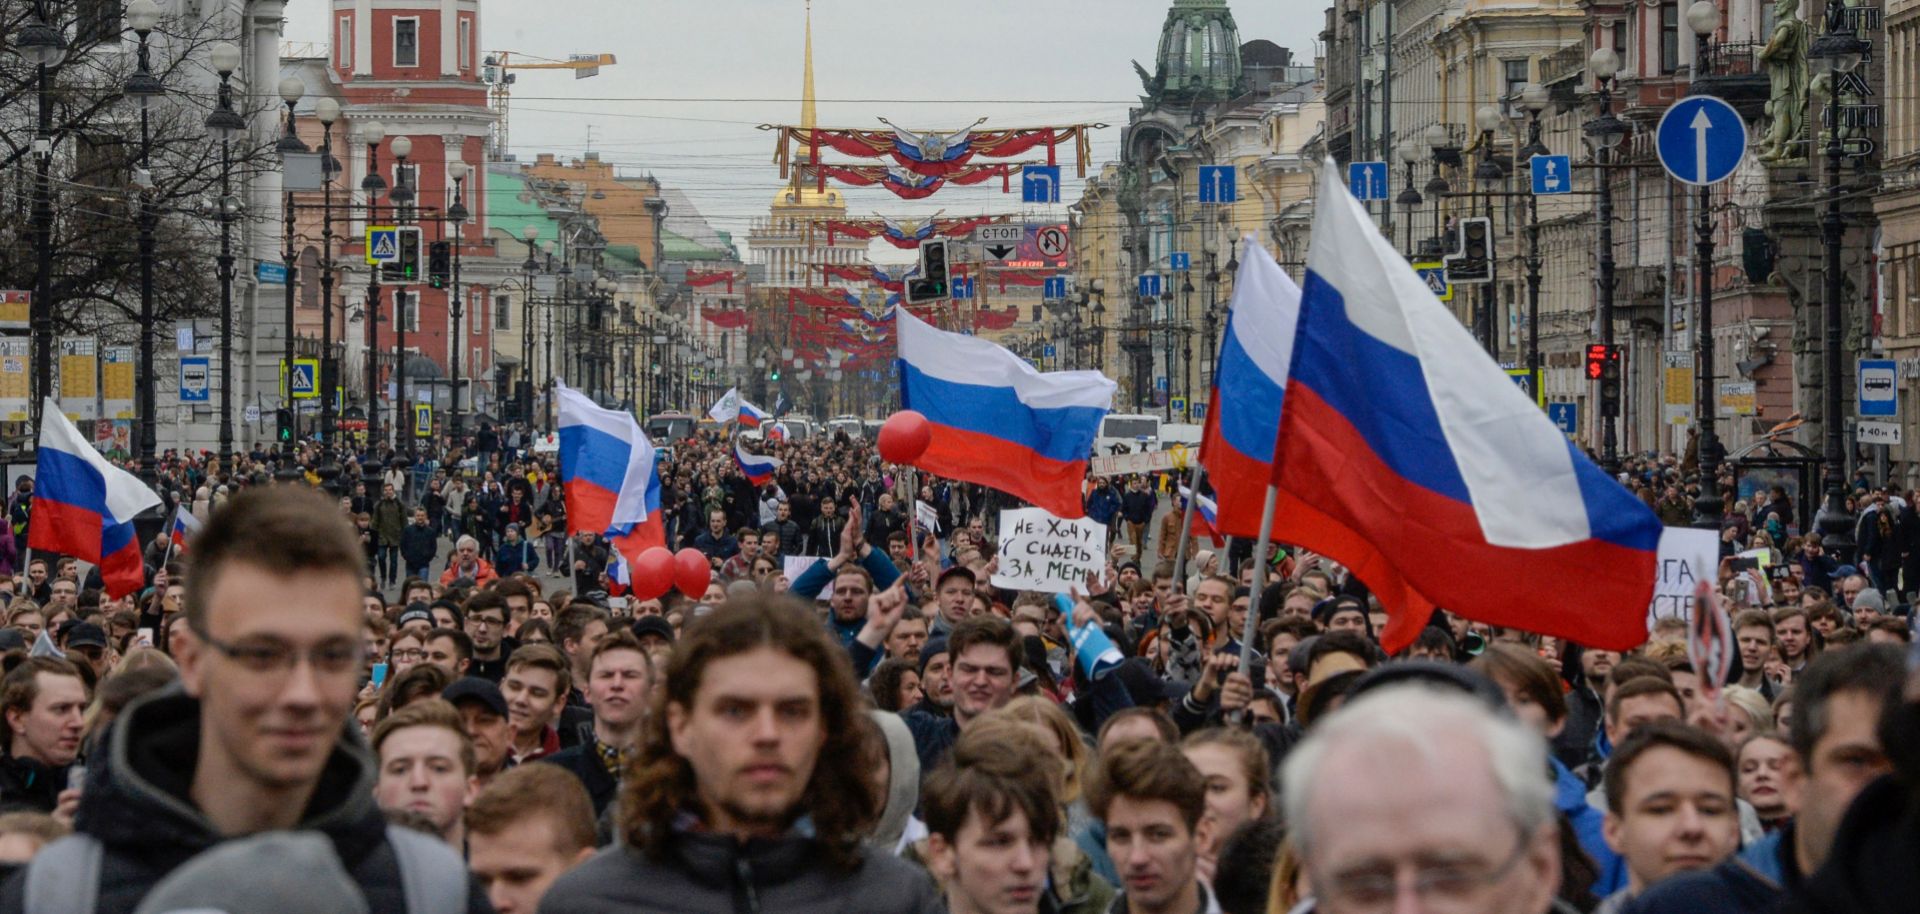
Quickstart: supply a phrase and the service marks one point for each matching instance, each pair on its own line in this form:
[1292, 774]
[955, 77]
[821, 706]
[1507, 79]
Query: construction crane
[495, 73]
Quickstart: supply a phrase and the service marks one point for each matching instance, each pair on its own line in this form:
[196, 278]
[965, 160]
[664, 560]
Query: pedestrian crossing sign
[306, 379]
[423, 420]
[383, 244]
[1434, 274]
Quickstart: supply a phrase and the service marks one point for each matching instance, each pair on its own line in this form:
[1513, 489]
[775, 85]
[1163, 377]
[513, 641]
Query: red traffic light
[1596, 360]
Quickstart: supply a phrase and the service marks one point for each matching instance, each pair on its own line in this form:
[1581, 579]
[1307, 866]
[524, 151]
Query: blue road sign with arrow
[1179, 261]
[1367, 180]
[1149, 285]
[1701, 140]
[1217, 184]
[1040, 184]
[1565, 416]
[1551, 175]
[1056, 288]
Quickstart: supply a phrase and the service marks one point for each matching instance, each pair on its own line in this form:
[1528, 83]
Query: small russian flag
[750, 415]
[1206, 517]
[757, 468]
[185, 525]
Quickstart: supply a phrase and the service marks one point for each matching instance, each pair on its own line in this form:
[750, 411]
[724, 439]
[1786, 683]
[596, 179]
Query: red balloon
[904, 437]
[653, 573]
[691, 572]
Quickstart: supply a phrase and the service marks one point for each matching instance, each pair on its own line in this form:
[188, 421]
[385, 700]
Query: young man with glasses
[257, 738]
[486, 624]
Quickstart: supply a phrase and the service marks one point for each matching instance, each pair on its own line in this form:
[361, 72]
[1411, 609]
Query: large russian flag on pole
[606, 462]
[996, 420]
[1406, 454]
[1237, 446]
[84, 506]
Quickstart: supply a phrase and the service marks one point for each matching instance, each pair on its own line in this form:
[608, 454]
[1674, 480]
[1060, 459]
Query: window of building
[343, 46]
[1669, 37]
[410, 319]
[502, 311]
[406, 42]
[1515, 72]
[466, 44]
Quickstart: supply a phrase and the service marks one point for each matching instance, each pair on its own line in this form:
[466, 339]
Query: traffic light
[440, 264]
[283, 418]
[931, 284]
[1603, 365]
[406, 270]
[1474, 262]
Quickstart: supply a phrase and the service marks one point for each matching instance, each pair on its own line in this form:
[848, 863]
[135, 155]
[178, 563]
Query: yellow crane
[495, 73]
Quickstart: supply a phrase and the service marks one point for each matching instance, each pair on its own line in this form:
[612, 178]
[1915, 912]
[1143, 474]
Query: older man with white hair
[467, 563]
[1415, 799]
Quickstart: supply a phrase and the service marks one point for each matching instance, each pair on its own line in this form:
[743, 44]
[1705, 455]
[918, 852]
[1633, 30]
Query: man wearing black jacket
[619, 679]
[256, 738]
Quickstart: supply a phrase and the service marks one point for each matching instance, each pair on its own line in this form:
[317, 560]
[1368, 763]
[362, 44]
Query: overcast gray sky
[695, 77]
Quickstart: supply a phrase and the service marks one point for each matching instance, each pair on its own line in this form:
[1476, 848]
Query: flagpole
[1259, 579]
[1186, 527]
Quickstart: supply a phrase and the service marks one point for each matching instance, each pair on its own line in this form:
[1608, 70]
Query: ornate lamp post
[141, 89]
[1604, 133]
[327, 111]
[1533, 97]
[1488, 174]
[291, 91]
[1842, 50]
[43, 46]
[1409, 155]
[456, 302]
[225, 124]
[1703, 18]
[373, 132]
[402, 199]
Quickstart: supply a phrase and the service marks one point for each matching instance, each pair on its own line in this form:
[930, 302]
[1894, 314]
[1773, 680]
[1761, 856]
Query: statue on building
[1785, 60]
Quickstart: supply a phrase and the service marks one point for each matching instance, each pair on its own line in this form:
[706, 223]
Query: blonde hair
[1052, 720]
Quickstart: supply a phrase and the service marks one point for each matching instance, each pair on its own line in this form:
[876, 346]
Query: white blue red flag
[1406, 454]
[606, 463]
[84, 506]
[997, 420]
[1206, 517]
[185, 525]
[757, 468]
[777, 432]
[750, 415]
[1237, 445]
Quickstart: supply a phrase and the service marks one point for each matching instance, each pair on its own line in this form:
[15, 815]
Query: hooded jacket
[707, 873]
[138, 804]
[903, 781]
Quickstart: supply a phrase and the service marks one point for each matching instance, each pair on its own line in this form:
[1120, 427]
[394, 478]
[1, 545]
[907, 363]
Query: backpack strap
[64, 878]
[432, 878]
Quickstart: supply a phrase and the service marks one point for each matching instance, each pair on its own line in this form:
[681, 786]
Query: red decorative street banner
[910, 186]
[701, 279]
[727, 319]
[903, 235]
[987, 319]
[930, 153]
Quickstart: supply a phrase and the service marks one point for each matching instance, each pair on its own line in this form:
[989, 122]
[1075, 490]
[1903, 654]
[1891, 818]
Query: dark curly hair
[840, 798]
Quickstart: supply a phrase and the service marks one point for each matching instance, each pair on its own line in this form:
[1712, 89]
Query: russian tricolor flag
[1406, 454]
[185, 525]
[996, 420]
[606, 463]
[750, 415]
[1206, 517]
[757, 468]
[1237, 446]
[84, 506]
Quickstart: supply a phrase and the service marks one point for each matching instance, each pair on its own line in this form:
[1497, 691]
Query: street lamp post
[1440, 147]
[373, 132]
[1409, 154]
[1186, 312]
[1842, 50]
[1603, 134]
[1488, 174]
[44, 46]
[224, 124]
[142, 88]
[291, 91]
[327, 111]
[1533, 97]
[1703, 18]
[402, 199]
[456, 303]
[530, 234]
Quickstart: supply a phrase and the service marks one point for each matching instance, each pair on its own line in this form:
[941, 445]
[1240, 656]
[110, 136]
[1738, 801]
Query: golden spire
[809, 118]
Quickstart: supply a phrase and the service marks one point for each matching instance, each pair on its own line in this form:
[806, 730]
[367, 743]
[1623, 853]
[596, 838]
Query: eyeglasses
[490, 622]
[269, 657]
[413, 654]
[1447, 885]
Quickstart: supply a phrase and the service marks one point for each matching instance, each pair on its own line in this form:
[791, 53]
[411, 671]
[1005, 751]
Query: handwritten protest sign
[1045, 553]
[796, 565]
[1687, 557]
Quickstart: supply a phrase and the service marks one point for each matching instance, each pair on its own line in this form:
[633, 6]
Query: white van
[1127, 433]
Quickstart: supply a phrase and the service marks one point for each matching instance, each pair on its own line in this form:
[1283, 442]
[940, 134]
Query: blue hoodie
[1570, 798]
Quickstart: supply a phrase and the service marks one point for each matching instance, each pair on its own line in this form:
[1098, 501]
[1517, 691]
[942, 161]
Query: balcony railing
[1733, 58]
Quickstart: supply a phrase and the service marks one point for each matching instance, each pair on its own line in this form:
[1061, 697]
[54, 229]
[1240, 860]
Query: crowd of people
[408, 689]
